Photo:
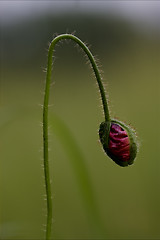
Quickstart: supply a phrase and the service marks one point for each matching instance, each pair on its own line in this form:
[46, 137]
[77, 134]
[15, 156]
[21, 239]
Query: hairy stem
[45, 115]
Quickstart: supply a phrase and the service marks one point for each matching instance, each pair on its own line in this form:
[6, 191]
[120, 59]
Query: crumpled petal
[119, 143]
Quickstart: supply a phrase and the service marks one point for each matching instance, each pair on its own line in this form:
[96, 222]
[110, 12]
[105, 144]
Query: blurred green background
[126, 201]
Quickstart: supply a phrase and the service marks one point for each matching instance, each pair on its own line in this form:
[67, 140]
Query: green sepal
[104, 129]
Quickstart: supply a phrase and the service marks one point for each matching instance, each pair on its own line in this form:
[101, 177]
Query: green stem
[45, 114]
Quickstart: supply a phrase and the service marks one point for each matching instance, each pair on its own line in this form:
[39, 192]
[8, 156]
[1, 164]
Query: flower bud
[118, 142]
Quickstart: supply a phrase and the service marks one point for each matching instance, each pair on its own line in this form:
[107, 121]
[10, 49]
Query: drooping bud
[118, 142]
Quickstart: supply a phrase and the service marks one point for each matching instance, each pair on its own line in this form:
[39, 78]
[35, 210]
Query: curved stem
[45, 115]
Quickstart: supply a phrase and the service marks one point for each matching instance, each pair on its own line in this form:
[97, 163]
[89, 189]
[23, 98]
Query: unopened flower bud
[118, 141]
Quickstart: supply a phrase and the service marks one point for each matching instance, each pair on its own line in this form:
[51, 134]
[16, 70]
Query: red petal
[119, 144]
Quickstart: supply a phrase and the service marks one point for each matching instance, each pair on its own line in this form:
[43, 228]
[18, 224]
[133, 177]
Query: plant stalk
[45, 115]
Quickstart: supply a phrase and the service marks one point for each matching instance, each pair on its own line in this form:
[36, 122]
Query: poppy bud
[118, 142]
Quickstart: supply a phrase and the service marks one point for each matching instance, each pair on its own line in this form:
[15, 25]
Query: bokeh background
[93, 198]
